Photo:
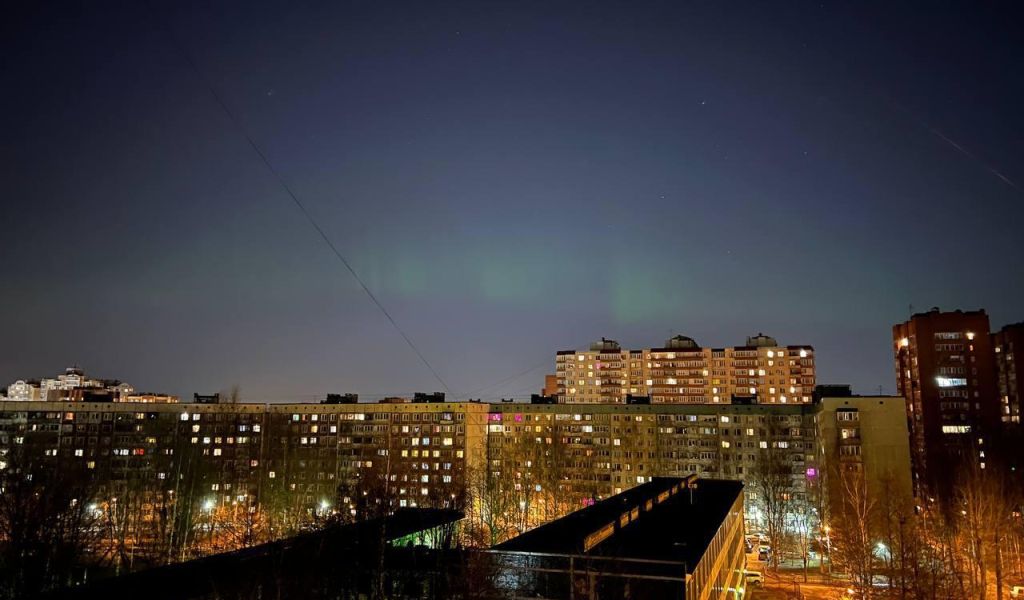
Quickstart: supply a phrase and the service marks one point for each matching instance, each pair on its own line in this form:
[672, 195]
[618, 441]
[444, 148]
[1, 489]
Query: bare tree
[772, 481]
[47, 523]
[854, 532]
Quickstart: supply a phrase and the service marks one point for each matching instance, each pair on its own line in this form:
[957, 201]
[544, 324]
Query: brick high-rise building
[945, 372]
[682, 372]
[1008, 345]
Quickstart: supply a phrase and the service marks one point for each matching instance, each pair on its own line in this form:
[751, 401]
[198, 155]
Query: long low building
[667, 538]
[510, 466]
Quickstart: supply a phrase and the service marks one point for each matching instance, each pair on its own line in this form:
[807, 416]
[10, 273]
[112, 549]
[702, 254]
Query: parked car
[753, 577]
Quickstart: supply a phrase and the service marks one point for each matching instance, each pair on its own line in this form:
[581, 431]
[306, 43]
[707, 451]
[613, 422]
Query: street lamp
[828, 547]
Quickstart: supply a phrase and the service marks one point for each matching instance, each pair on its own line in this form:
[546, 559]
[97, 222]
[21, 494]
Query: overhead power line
[298, 203]
[507, 379]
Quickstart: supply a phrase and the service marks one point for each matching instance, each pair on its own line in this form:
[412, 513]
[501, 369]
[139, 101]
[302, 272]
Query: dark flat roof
[674, 529]
[317, 552]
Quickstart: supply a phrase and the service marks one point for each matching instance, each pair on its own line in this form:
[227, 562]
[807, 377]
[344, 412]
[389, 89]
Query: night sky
[509, 179]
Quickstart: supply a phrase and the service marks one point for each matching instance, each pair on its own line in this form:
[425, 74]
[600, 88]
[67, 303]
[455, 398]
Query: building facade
[682, 372]
[864, 439]
[544, 459]
[246, 454]
[946, 374]
[552, 458]
[1008, 346]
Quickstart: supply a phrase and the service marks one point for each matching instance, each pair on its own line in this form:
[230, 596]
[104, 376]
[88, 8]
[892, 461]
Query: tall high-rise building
[945, 372]
[1008, 345]
[683, 372]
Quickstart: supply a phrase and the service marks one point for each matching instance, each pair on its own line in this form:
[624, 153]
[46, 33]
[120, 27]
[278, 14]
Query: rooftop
[293, 561]
[667, 519]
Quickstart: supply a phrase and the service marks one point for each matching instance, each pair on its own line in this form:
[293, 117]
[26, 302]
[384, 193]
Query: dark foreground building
[668, 538]
[391, 557]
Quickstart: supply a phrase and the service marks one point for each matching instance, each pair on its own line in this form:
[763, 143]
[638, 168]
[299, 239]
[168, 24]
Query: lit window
[956, 429]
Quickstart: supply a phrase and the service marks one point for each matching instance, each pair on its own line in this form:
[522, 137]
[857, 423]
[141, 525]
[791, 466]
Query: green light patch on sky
[640, 294]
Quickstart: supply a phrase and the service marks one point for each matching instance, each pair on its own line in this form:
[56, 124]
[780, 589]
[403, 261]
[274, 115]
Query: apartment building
[513, 465]
[1008, 346]
[945, 372]
[73, 385]
[864, 439]
[554, 456]
[683, 372]
[250, 453]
